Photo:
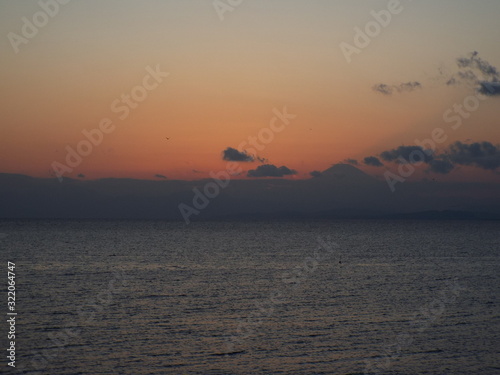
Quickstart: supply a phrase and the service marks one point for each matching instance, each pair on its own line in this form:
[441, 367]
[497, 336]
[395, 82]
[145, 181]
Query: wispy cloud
[399, 88]
[470, 70]
[473, 61]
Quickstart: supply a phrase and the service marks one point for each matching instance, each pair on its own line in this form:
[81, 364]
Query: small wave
[230, 353]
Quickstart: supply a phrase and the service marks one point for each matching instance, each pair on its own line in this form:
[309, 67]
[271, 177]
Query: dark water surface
[340, 297]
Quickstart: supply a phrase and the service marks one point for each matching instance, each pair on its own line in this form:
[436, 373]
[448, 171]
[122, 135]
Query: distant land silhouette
[340, 192]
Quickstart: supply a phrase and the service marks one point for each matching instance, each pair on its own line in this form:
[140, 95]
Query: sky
[209, 75]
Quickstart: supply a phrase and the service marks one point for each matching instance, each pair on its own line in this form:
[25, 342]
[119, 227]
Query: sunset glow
[226, 77]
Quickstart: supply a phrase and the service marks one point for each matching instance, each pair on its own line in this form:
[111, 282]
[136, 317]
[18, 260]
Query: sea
[286, 297]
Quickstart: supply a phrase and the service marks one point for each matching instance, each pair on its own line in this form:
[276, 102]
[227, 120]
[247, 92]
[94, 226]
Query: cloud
[452, 81]
[407, 154]
[470, 70]
[81, 175]
[402, 87]
[269, 170]
[467, 76]
[232, 154]
[160, 176]
[373, 161]
[483, 155]
[409, 86]
[383, 88]
[478, 73]
[197, 171]
[316, 174]
[477, 63]
[412, 155]
[351, 161]
[480, 154]
[489, 88]
[440, 166]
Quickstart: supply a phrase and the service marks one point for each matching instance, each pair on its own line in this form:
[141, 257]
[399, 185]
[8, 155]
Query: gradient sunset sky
[226, 77]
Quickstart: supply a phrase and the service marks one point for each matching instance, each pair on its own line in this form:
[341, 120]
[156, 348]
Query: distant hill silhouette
[341, 191]
[346, 172]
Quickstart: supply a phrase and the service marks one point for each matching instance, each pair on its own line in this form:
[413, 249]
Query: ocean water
[336, 297]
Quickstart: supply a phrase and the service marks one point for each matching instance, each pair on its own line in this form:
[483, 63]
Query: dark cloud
[351, 161]
[232, 154]
[407, 154]
[402, 87]
[489, 88]
[160, 176]
[81, 175]
[483, 155]
[373, 161]
[480, 154]
[440, 166]
[316, 174]
[269, 170]
[197, 171]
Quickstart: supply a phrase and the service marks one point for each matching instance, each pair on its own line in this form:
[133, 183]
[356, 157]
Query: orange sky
[225, 79]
